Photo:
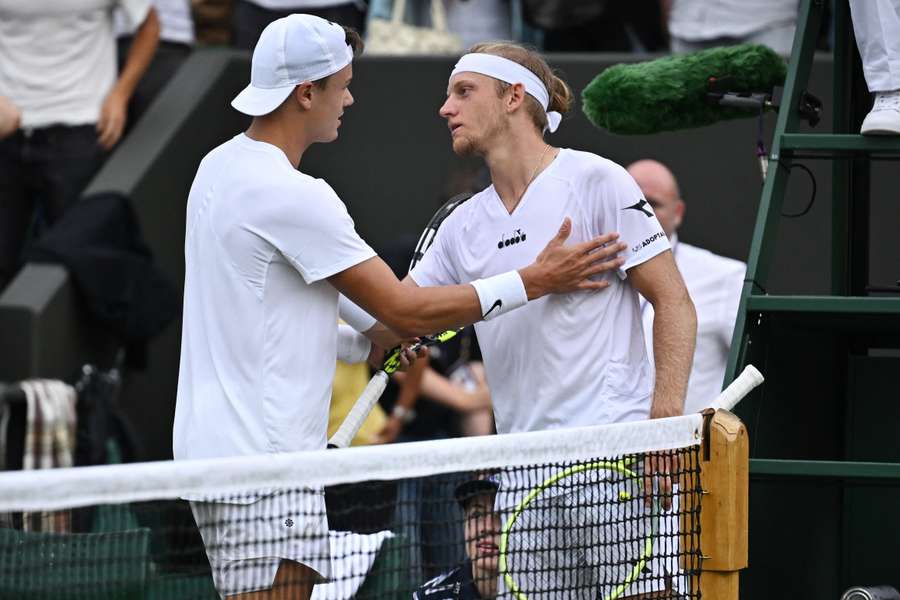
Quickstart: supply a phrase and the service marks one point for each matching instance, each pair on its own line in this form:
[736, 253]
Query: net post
[724, 520]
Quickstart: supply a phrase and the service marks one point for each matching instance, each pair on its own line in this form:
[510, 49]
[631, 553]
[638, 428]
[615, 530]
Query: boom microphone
[684, 91]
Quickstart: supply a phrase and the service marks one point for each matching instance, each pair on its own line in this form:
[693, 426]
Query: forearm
[143, 47]
[674, 337]
[438, 388]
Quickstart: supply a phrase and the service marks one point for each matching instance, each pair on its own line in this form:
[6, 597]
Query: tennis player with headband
[568, 360]
[268, 249]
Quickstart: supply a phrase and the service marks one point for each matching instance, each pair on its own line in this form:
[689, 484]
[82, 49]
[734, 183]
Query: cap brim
[256, 102]
[474, 487]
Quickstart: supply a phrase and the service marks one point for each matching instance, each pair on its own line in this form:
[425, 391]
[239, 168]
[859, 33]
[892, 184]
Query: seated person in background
[476, 577]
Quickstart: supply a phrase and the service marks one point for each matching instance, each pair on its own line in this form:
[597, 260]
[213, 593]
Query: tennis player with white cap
[568, 360]
[268, 249]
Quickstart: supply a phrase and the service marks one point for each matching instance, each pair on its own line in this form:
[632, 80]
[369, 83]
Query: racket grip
[361, 409]
[740, 387]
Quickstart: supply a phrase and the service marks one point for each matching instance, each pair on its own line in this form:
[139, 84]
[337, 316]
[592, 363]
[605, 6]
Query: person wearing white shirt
[570, 360]
[268, 249]
[58, 69]
[876, 24]
[698, 24]
[714, 282]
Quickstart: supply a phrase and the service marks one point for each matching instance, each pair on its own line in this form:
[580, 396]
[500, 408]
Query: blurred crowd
[76, 76]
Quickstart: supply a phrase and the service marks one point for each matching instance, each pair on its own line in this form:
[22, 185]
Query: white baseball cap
[291, 50]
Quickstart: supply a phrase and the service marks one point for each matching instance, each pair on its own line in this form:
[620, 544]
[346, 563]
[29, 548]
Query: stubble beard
[466, 146]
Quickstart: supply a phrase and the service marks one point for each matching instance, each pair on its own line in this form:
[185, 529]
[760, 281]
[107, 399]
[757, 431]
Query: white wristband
[352, 347]
[500, 294]
[354, 316]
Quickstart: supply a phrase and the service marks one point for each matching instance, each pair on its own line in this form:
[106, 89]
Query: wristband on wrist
[405, 415]
[354, 316]
[500, 294]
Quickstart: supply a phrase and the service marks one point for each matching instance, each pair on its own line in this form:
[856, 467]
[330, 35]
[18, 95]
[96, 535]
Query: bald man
[714, 283]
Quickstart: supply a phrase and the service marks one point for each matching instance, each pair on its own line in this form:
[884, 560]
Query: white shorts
[246, 543]
[591, 541]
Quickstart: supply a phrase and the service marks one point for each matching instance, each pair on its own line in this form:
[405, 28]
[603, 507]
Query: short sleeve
[133, 13]
[621, 207]
[436, 266]
[312, 229]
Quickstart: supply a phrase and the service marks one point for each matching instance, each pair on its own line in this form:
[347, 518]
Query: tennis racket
[370, 395]
[626, 482]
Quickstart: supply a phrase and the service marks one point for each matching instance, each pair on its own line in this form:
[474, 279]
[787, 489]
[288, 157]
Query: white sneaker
[884, 118]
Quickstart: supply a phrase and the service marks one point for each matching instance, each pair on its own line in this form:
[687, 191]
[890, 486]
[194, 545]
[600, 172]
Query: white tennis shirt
[563, 360]
[259, 333]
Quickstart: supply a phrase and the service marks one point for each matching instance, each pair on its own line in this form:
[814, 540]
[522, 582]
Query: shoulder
[592, 168]
[710, 261]
[466, 214]
[445, 586]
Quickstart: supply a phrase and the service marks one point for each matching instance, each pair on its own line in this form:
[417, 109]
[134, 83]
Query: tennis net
[557, 514]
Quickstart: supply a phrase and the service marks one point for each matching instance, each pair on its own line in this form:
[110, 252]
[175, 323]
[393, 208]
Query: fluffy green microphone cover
[670, 93]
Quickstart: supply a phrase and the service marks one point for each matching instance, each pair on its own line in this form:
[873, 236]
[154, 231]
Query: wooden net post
[724, 515]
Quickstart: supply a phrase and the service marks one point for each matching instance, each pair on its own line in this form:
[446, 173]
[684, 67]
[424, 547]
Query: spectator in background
[472, 20]
[476, 577]
[250, 17]
[714, 283]
[698, 24]
[58, 68]
[596, 25]
[876, 24]
[176, 39]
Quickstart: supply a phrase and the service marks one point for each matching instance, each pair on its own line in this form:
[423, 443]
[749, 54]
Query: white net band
[85, 486]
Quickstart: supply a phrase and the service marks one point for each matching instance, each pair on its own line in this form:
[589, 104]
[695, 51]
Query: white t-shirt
[58, 59]
[259, 333]
[696, 20]
[175, 22]
[563, 360]
[714, 283]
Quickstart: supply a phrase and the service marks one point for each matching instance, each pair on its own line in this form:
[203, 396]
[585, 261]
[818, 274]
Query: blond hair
[559, 91]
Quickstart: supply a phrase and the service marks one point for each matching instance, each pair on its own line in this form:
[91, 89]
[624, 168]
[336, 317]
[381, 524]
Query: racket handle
[740, 387]
[361, 409]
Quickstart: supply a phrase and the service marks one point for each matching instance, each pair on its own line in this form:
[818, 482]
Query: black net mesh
[600, 528]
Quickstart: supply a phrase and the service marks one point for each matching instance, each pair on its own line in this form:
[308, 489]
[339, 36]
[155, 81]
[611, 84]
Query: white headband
[511, 72]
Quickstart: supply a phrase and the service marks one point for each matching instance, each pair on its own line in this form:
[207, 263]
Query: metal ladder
[851, 322]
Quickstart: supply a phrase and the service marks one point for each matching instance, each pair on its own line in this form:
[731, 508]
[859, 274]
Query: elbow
[405, 323]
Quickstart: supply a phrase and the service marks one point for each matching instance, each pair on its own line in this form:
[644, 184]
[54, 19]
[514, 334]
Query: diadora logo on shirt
[639, 206]
[508, 240]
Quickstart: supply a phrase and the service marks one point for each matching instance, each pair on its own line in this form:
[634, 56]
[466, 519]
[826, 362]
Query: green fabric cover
[670, 93]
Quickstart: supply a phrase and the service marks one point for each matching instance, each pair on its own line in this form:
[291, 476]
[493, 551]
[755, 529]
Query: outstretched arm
[411, 310]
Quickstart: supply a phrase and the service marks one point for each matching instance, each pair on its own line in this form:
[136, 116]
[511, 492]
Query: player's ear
[303, 94]
[515, 95]
[680, 207]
